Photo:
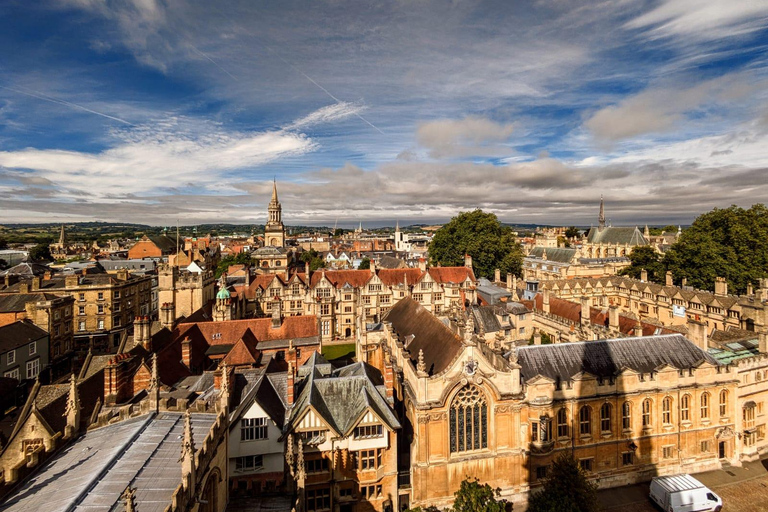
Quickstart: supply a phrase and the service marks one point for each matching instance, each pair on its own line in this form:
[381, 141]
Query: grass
[331, 352]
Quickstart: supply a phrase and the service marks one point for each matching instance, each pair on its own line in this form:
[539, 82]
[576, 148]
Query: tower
[601, 216]
[274, 231]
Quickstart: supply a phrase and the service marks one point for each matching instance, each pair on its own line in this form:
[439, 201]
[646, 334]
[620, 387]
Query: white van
[683, 493]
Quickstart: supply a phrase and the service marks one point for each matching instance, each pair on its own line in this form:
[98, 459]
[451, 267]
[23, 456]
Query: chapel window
[469, 420]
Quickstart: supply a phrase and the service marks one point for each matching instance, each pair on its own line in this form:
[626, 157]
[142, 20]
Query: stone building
[274, 230]
[182, 291]
[611, 242]
[544, 263]
[341, 438]
[155, 247]
[627, 408]
[346, 300]
[24, 351]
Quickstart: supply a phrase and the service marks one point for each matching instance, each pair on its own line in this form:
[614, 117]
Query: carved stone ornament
[725, 433]
[470, 367]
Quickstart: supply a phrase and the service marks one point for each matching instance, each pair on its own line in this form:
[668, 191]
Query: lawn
[331, 352]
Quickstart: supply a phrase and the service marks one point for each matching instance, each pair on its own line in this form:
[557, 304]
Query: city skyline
[153, 111]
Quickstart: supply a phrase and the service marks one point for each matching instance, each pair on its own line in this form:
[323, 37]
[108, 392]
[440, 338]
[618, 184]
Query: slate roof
[26, 269]
[616, 236]
[418, 329]
[555, 254]
[485, 316]
[16, 302]
[343, 398]
[18, 334]
[606, 358]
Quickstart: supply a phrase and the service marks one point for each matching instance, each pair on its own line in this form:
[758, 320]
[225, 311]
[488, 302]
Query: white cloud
[703, 19]
[471, 136]
[330, 113]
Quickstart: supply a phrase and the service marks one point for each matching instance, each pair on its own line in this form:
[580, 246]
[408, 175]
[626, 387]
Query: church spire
[62, 237]
[274, 190]
[601, 216]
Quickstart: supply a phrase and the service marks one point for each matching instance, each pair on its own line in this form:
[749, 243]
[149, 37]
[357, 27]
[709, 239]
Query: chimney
[35, 283]
[644, 275]
[186, 352]
[277, 314]
[219, 375]
[166, 315]
[497, 275]
[698, 333]
[468, 261]
[762, 342]
[669, 281]
[509, 281]
[536, 337]
[750, 289]
[291, 385]
[117, 385]
[684, 282]
[306, 271]
[389, 381]
[721, 286]
[47, 276]
[423, 264]
[638, 329]
[545, 301]
[373, 266]
[584, 310]
[23, 288]
[613, 317]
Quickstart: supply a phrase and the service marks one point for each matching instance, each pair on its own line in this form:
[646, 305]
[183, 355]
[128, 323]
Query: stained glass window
[469, 420]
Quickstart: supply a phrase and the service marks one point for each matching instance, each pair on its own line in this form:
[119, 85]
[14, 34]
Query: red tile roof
[230, 331]
[451, 274]
[356, 278]
[396, 276]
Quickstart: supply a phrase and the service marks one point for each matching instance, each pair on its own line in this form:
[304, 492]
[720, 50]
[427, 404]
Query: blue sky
[156, 110]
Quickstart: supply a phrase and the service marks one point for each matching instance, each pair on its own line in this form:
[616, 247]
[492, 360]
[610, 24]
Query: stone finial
[154, 380]
[498, 341]
[188, 454]
[224, 395]
[289, 455]
[421, 367]
[72, 412]
[513, 354]
[300, 470]
[129, 496]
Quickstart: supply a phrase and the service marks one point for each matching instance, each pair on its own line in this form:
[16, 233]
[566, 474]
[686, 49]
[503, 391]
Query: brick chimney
[638, 329]
[536, 337]
[750, 289]
[277, 313]
[721, 286]
[290, 387]
[24, 288]
[166, 315]
[644, 275]
[35, 283]
[668, 277]
[423, 264]
[117, 383]
[698, 333]
[584, 310]
[389, 381]
[497, 275]
[509, 281]
[468, 261]
[186, 352]
[373, 266]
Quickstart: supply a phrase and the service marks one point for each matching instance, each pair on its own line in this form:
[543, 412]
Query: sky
[166, 111]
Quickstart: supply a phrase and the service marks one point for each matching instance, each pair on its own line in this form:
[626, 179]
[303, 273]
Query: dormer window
[369, 432]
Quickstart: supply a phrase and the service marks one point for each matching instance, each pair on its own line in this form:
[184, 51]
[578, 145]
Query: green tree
[730, 243]
[644, 257]
[482, 236]
[566, 489]
[572, 232]
[563, 242]
[40, 252]
[338, 232]
[314, 259]
[242, 258]
[365, 264]
[473, 497]
[546, 339]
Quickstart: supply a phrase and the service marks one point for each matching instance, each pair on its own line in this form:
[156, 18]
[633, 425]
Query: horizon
[150, 111]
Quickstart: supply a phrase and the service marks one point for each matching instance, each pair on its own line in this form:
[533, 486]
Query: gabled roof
[26, 269]
[396, 276]
[18, 334]
[630, 236]
[454, 275]
[418, 329]
[337, 278]
[606, 358]
[244, 351]
[230, 331]
[554, 254]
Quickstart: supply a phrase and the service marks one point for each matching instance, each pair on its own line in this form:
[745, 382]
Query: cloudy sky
[156, 110]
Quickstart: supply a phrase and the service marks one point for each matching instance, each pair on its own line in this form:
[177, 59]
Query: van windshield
[711, 497]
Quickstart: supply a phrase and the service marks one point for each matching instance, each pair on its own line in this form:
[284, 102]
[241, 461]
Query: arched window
[685, 408]
[469, 420]
[647, 418]
[666, 410]
[626, 416]
[605, 417]
[724, 403]
[748, 415]
[705, 406]
[562, 423]
[585, 420]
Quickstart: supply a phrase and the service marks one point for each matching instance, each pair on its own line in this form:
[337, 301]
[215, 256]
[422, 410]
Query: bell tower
[274, 231]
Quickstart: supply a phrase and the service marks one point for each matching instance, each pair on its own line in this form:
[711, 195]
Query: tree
[365, 264]
[473, 497]
[730, 243]
[3, 264]
[546, 339]
[314, 259]
[242, 258]
[563, 242]
[644, 257]
[566, 489]
[3, 243]
[572, 232]
[40, 252]
[338, 232]
[482, 236]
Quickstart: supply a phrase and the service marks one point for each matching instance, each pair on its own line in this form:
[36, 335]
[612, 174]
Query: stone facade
[185, 292]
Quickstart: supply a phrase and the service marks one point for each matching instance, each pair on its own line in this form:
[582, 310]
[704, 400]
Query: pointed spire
[154, 380]
[646, 232]
[72, 412]
[188, 454]
[397, 226]
[274, 190]
[62, 237]
[129, 495]
[601, 216]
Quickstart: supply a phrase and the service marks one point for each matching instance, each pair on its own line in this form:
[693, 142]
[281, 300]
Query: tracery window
[469, 420]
